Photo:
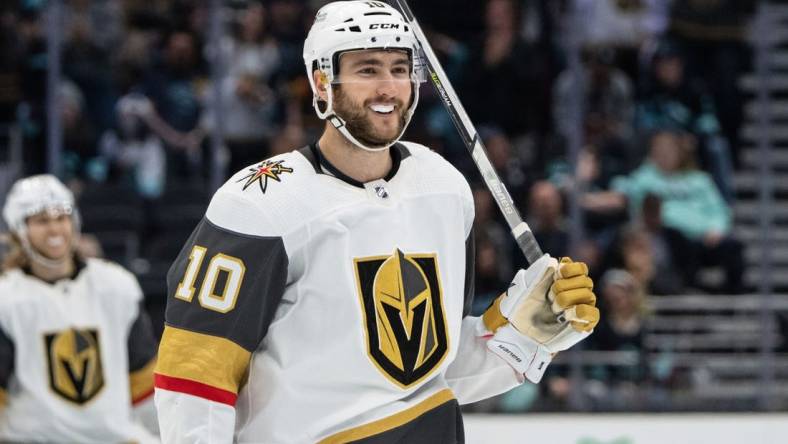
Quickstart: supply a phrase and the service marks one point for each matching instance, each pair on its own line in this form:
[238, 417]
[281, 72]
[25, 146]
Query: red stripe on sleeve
[195, 388]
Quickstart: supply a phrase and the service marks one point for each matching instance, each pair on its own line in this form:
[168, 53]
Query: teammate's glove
[548, 308]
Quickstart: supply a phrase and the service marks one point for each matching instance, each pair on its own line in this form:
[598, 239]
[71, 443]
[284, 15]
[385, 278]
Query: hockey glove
[548, 307]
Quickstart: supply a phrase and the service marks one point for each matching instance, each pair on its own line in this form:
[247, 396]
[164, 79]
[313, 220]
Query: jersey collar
[321, 165]
[79, 265]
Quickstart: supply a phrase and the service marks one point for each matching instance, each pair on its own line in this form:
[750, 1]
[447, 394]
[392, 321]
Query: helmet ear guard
[328, 102]
[351, 26]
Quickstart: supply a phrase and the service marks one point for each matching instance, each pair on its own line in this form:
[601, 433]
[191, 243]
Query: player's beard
[360, 126]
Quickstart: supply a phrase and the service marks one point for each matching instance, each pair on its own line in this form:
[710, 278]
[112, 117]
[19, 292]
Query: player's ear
[321, 84]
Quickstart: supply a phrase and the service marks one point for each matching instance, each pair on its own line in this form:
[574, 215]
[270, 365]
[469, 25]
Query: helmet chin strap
[44, 261]
[339, 123]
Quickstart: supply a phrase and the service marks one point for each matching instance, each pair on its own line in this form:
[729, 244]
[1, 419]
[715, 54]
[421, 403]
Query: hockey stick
[519, 229]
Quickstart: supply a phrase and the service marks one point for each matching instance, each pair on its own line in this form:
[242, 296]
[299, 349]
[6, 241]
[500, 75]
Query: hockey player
[76, 347]
[325, 295]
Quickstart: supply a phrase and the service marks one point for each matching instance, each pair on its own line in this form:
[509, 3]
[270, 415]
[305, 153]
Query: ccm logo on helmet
[384, 26]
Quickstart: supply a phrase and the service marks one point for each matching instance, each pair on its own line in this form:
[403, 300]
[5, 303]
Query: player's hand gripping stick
[527, 332]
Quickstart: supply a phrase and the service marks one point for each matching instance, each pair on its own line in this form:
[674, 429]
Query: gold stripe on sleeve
[390, 422]
[141, 381]
[2, 397]
[210, 360]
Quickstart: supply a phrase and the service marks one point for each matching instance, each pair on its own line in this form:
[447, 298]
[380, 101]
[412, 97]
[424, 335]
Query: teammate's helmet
[356, 25]
[33, 195]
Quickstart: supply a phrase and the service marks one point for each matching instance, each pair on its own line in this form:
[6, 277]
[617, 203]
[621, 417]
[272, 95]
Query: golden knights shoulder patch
[403, 313]
[74, 360]
[262, 172]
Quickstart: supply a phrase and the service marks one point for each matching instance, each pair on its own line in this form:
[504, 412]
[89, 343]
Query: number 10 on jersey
[223, 301]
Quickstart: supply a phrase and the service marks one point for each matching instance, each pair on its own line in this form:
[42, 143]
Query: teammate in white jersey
[76, 347]
[325, 295]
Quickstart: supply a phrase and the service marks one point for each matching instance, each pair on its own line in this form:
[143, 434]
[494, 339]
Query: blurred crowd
[656, 90]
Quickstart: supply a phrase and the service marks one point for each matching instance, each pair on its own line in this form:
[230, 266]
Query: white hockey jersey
[74, 355]
[308, 307]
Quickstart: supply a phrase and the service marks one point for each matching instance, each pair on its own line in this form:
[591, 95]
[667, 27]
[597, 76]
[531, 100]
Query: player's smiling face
[50, 234]
[373, 93]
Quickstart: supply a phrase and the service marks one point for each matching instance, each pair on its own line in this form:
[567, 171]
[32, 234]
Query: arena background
[144, 108]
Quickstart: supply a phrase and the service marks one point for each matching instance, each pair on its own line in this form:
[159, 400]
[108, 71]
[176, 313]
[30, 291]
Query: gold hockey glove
[549, 307]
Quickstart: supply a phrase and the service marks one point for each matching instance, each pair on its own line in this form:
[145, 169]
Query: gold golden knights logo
[403, 311]
[74, 359]
[262, 172]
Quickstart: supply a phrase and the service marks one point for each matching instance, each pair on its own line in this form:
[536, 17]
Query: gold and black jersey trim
[141, 342]
[376, 431]
[201, 365]
[141, 382]
[3, 397]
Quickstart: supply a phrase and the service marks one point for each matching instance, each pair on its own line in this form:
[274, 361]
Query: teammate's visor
[51, 211]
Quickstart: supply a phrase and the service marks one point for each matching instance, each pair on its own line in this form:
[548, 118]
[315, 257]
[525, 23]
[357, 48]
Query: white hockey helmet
[33, 195]
[351, 26]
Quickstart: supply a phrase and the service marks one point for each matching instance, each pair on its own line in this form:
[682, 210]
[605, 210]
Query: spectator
[715, 37]
[488, 276]
[668, 249]
[632, 251]
[102, 18]
[622, 329]
[134, 149]
[507, 85]
[250, 114]
[506, 161]
[608, 103]
[289, 27]
[172, 86]
[670, 100]
[32, 111]
[87, 64]
[546, 218]
[132, 59]
[11, 55]
[251, 107]
[607, 129]
[252, 48]
[596, 167]
[613, 385]
[624, 302]
[691, 204]
[79, 136]
[623, 25]
[493, 250]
